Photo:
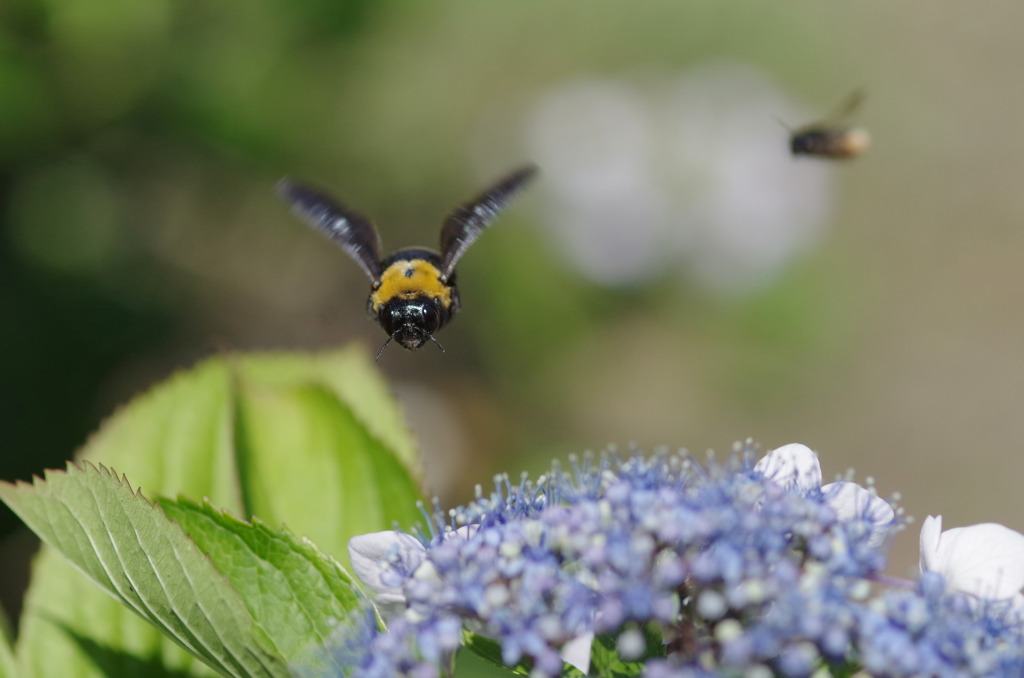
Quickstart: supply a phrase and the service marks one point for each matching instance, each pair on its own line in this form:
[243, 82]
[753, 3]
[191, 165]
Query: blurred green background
[673, 277]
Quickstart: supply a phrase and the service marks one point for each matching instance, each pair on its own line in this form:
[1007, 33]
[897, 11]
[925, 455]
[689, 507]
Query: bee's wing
[355, 233]
[847, 106]
[465, 224]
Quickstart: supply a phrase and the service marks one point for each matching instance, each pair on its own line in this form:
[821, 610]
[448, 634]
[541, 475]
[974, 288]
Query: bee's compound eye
[393, 316]
[431, 318]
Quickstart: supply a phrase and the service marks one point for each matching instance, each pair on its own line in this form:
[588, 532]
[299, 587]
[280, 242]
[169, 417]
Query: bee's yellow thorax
[408, 279]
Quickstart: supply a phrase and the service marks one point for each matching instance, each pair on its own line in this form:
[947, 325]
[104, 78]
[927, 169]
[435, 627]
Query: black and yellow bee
[413, 292]
[830, 138]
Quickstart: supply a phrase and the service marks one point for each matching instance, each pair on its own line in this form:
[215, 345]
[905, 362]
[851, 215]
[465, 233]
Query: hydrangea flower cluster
[678, 569]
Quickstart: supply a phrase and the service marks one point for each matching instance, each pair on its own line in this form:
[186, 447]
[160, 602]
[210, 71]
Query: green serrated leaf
[130, 549]
[307, 461]
[6, 651]
[73, 629]
[468, 665]
[355, 379]
[176, 438]
[845, 669]
[489, 650]
[606, 662]
[180, 438]
[295, 594]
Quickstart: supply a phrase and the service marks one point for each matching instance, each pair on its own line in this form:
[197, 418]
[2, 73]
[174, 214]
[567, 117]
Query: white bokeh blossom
[686, 174]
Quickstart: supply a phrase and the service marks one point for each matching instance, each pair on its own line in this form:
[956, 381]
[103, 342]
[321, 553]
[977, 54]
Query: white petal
[792, 466]
[985, 560]
[850, 501]
[369, 554]
[577, 651]
[931, 532]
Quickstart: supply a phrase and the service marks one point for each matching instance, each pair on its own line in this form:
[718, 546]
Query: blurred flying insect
[831, 138]
[412, 293]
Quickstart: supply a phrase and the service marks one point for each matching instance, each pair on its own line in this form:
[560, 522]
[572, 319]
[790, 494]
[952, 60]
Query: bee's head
[411, 322]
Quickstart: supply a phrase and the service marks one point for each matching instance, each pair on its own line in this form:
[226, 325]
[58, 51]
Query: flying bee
[830, 138]
[412, 292]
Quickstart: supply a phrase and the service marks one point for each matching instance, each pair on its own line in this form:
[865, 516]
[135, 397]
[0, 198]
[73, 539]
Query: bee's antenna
[783, 123]
[436, 342]
[381, 351]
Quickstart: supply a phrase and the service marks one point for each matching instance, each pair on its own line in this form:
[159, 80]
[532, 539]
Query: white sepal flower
[985, 560]
[796, 467]
[370, 555]
[850, 501]
[793, 466]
